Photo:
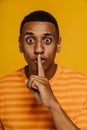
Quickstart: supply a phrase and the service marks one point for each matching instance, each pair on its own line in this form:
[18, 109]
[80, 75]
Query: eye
[47, 40]
[30, 40]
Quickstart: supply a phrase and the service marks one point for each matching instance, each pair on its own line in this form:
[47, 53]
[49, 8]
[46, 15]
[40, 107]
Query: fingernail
[26, 81]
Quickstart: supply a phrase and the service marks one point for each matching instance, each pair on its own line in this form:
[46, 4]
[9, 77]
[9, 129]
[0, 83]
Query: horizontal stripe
[30, 119]
[20, 110]
[29, 127]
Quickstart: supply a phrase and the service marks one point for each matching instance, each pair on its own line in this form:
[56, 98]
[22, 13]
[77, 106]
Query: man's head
[39, 35]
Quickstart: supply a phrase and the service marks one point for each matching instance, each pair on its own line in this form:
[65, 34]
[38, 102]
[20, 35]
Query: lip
[43, 60]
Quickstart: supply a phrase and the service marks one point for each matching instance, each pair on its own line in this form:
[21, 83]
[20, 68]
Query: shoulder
[72, 73]
[72, 79]
[17, 74]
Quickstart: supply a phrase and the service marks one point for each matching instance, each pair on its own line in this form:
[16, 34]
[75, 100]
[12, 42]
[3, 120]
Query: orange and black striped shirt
[19, 110]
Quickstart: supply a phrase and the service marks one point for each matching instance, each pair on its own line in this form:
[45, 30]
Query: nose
[39, 48]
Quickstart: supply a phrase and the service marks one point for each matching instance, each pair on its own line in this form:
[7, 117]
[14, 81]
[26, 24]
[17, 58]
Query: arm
[42, 91]
[40, 87]
[61, 120]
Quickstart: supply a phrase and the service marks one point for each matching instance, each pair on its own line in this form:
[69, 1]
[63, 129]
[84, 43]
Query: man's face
[39, 38]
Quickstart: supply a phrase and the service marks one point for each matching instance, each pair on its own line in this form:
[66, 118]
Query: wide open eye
[30, 40]
[47, 40]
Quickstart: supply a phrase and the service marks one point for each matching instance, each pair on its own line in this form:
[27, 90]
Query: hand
[40, 87]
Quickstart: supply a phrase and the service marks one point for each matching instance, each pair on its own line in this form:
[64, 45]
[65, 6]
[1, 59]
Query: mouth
[43, 61]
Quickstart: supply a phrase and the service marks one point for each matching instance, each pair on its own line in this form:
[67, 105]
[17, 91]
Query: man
[42, 95]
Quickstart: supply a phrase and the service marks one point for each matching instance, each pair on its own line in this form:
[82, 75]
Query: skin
[39, 43]
[44, 42]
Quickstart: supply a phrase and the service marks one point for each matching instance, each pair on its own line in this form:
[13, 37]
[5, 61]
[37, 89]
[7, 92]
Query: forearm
[61, 120]
[40, 87]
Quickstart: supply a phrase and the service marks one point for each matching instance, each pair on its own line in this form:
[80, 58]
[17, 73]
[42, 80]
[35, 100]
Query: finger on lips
[31, 81]
[40, 67]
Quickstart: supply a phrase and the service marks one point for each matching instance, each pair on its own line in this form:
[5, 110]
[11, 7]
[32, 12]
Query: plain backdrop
[72, 19]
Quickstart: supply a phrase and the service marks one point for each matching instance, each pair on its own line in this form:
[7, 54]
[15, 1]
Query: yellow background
[72, 18]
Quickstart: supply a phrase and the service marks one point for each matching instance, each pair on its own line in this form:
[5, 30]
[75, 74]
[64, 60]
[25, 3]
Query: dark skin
[39, 43]
[32, 43]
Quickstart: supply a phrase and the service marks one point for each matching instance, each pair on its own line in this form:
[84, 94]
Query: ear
[58, 45]
[20, 44]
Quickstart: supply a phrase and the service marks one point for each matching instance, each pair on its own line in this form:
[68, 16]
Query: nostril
[38, 52]
[39, 49]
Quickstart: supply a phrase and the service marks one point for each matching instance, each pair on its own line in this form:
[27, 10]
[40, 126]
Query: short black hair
[40, 16]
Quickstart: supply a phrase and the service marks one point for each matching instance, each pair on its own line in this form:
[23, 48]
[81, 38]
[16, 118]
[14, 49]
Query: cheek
[51, 51]
[28, 53]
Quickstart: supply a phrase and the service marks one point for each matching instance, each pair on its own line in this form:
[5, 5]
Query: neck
[49, 72]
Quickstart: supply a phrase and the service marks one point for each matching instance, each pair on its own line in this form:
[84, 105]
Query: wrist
[54, 106]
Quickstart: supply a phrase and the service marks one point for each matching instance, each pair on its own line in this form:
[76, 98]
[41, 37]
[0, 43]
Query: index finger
[40, 67]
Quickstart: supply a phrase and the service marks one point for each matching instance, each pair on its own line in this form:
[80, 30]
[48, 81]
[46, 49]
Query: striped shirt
[19, 110]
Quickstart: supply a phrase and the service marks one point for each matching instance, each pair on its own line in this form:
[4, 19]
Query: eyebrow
[28, 33]
[45, 34]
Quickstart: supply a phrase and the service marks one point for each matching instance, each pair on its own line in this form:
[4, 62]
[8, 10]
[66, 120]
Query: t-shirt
[19, 110]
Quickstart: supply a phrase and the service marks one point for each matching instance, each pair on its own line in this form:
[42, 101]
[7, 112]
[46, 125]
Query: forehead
[39, 27]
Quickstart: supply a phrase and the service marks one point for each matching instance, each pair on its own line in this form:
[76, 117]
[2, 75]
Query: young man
[42, 95]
